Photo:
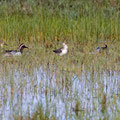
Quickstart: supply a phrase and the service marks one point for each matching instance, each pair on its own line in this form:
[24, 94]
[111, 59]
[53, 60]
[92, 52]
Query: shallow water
[63, 94]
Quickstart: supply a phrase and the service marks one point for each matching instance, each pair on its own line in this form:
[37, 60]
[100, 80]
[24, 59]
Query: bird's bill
[25, 47]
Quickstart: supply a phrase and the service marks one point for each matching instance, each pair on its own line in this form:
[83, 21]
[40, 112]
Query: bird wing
[98, 48]
[10, 50]
[58, 50]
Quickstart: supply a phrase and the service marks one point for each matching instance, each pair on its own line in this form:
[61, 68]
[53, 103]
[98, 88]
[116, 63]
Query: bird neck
[65, 47]
[21, 49]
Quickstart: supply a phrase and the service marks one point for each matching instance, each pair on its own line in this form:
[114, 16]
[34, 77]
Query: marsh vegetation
[39, 85]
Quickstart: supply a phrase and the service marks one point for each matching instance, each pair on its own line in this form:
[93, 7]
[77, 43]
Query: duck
[2, 43]
[101, 48]
[61, 51]
[15, 52]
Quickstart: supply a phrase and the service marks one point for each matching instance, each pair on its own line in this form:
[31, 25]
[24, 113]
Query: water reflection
[67, 96]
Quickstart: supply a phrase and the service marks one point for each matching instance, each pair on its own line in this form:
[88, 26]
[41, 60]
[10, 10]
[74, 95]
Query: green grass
[46, 27]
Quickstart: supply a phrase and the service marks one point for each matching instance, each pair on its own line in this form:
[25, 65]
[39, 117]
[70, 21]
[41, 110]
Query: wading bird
[15, 52]
[61, 51]
[101, 48]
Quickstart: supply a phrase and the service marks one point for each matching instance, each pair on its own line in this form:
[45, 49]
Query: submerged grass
[38, 115]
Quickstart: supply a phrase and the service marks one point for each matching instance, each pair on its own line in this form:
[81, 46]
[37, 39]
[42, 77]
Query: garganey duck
[61, 51]
[101, 48]
[15, 52]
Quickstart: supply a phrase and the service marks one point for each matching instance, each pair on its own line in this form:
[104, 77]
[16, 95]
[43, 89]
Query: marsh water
[64, 89]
